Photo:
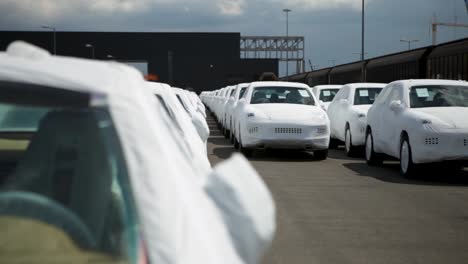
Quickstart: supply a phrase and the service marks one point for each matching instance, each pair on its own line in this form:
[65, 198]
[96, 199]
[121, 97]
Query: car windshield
[282, 95]
[62, 176]
[366, 96]
[438, 96]
[242, 91]
[327, 95]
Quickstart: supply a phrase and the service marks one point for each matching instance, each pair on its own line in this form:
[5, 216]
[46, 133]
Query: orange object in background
[152, 77]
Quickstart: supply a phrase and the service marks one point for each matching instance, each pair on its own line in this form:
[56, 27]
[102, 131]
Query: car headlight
[361, 115]
[322, 130]
[250, 115]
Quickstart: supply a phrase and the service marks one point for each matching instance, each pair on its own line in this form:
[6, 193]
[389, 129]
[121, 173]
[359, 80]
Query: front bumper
[286, 136]
[440, 146]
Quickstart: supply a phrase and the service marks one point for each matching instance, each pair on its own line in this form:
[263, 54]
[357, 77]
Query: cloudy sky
[331, 27]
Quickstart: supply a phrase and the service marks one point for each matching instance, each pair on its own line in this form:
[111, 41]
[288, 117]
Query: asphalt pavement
[342, 211]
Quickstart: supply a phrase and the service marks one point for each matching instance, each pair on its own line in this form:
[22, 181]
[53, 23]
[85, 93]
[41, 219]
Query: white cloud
[231, 7]
[321, 4]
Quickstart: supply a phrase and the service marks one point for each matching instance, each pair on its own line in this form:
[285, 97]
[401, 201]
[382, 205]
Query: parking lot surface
[342, 211]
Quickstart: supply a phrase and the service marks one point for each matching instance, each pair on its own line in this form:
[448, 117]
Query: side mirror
[343, 101]
[396, 105]
[242, 101]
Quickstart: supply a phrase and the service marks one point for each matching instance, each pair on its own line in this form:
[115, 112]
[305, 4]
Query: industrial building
[201, 61]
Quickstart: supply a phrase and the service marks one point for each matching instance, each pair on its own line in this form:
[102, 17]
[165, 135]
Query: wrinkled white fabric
[179, 220]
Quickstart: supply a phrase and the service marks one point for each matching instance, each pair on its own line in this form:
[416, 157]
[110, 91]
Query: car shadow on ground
[340, 154]
[282, 155]
[429, 175]
[219, 141]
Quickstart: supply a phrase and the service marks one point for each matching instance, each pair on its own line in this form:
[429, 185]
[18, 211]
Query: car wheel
[321, 154]
[372, 158]
[349, 148]
[334, 143]
[407, 167]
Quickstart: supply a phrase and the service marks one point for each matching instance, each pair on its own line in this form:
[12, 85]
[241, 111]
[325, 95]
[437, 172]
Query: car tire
[321, 154]
[246, 151]
[349, 148]
[407, 167]
[334, 143]
[372, 158]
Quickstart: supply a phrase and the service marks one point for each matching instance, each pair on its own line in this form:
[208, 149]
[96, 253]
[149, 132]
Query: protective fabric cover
[435, 133]
[344, 113]
[281, 125]
[246, 205]
[179, 221]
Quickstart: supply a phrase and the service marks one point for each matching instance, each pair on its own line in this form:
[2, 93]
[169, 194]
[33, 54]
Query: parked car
[348, 112]
[88, 163]
[418, 122]
[194, 147]
[230, 106]
[281, 115]
[325, 94]
[197, 118]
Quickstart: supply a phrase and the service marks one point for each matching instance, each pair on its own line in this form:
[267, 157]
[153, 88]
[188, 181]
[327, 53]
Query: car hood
[291, 112]
[453, 117]
[362, 108]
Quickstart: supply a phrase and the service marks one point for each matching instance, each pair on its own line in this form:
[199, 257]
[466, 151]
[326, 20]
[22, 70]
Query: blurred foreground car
[281, 115]
[348, 112]
[88, 174]
[419, 121]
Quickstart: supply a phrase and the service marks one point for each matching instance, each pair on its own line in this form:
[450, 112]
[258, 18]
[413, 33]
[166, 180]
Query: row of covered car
[98, 165]
[414, 121]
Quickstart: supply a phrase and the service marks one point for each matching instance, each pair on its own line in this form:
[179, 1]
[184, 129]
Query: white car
[325, 94]
[222, 109]
[230, 107]
[348, 112]
[419, 121]
[93, 171]
[194, 147]
[197, 118]
[281, 115]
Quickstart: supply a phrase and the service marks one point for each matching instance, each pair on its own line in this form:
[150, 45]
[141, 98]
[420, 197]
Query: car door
[342, 113]
[333, 108]
[391, 129]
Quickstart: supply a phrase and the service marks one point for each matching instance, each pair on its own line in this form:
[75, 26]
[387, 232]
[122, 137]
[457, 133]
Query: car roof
[417, 82]
[328, 86]
[366, 85]
[278, 84]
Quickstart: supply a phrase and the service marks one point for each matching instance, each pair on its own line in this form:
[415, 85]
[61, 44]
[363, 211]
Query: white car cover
[324, 94]
[435, 133]
[185, 128]
[197, 118]
[281, 125]
[344, 113]
[180, 222]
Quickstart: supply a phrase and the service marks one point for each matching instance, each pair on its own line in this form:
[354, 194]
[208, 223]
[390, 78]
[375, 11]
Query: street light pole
[409, 41]
[92, 49]
[54, 37]
[287, 42]
[363, 76]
